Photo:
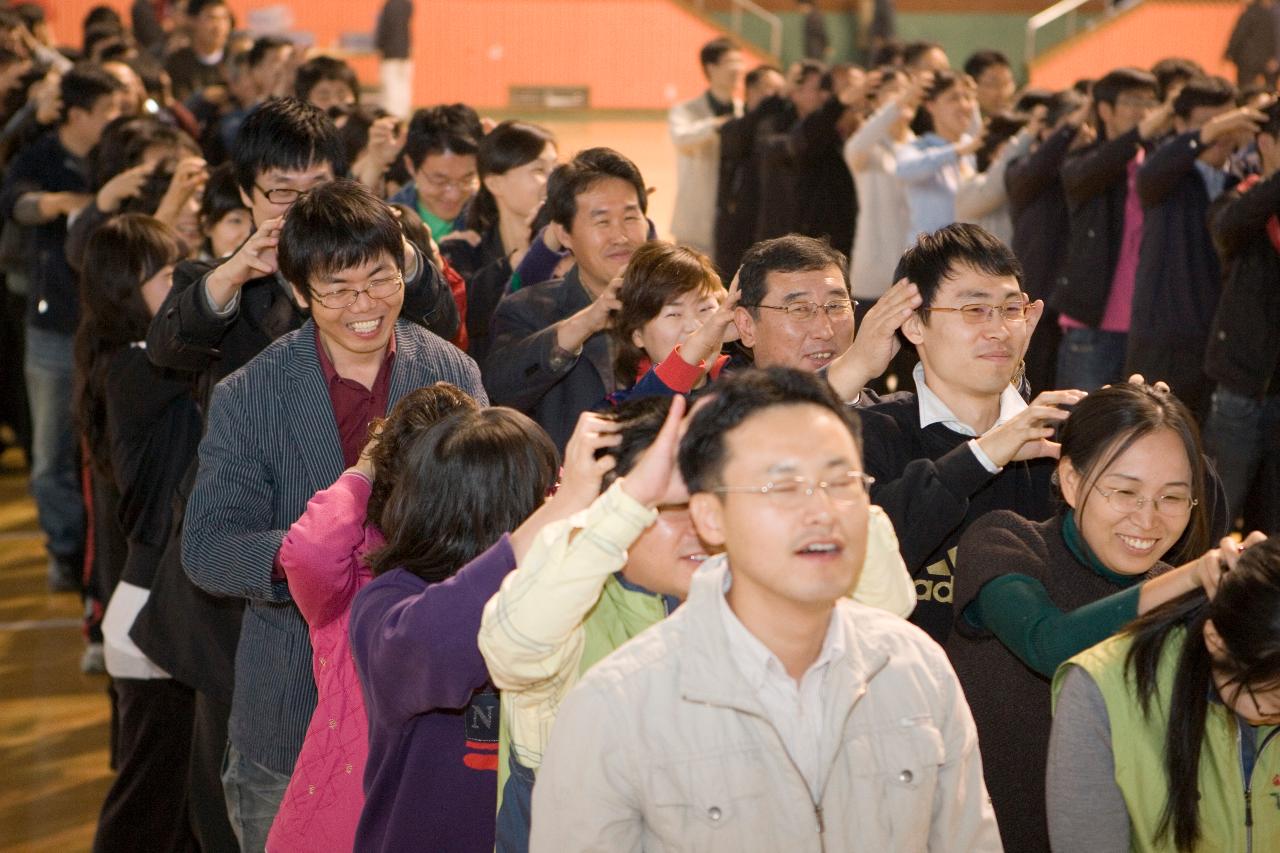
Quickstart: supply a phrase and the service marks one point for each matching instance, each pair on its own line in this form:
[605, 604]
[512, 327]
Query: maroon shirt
[355, 406]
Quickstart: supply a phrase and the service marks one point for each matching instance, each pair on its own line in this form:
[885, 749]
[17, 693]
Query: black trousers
[205, 798]
[146, 807]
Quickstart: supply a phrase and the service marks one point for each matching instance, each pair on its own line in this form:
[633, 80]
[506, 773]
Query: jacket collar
[707, 674]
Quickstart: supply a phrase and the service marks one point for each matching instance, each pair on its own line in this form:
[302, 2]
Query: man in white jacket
[695, 131]
[769, 712]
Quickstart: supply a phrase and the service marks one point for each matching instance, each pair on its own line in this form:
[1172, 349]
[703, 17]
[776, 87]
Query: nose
[821, 327]
[1145, 514]
[363, 302]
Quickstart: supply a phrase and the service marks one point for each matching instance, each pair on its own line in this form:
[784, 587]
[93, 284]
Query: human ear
[638, 340]
[1213, 641]
[913, 328]
[1069, 482]
[746, 326]
[707, 513]
[562, 235]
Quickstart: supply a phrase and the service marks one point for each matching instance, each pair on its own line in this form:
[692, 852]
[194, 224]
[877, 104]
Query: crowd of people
[421, 498]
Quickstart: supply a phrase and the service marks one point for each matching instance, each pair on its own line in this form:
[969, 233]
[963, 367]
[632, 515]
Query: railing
[772, 21]
[1067, 9]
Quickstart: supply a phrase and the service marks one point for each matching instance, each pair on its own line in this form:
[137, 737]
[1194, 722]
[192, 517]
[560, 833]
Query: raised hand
[583, 470]
[257, 257]
[1028, 434]
[705, 342]
[125, 185]
[876, 341]
[655, 480]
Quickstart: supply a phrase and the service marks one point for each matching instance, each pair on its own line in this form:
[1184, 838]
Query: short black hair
[83, 85]
[195, 7]
[935, 258]
[1115, 83]
[221, 196]
[736, 398]
[454, 128]
[808, 68]
[263, 45]
[287, 134]
[1175, 69]
[1271, 126]
[713, 51]
[335, 227]
[640, 420]
[791, 253]
[891, 52]
[585, 170]
[912, 51]
[1203, 92]
[102, 15]
[1031, 98]
[981, 60]
[754, 75]
[318, 69]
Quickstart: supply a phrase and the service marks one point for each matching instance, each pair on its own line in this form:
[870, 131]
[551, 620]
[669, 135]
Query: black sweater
[933, 487]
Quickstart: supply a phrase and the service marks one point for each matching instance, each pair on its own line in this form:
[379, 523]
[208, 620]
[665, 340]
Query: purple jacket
[431, 782]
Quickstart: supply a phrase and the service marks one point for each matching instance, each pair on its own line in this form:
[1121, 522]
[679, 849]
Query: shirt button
[714, 813]
[42, 306]
[906, 776]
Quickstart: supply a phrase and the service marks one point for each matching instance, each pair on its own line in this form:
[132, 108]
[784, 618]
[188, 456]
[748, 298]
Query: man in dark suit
[281, 429]
[551, 355]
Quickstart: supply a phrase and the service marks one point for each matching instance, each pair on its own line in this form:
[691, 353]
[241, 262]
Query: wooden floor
[53, 719]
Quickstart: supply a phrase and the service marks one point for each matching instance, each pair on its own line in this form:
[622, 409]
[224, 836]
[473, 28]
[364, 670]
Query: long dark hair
[416, 412]
[943, 81]
[1108, 422]
[656, 274]
[121, 255]
[465, 482]
[508, 146]
[1246, 613]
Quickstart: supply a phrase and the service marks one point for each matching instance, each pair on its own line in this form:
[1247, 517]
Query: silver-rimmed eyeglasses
[378, 289]
[844, 489]
[1127, 501]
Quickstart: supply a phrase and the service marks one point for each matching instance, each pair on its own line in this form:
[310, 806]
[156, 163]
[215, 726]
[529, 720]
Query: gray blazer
[271, 444]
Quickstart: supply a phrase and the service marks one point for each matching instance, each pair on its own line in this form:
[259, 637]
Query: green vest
[619, 615]
[1137, 744]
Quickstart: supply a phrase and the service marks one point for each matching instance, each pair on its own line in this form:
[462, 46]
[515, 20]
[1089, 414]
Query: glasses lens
[838, 309]
[802, 311]
[384, 288]
[976, 314]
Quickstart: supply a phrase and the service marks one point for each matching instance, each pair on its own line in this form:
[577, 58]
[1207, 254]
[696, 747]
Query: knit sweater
[1009, 700]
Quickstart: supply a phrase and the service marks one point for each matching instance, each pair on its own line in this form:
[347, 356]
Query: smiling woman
[1030, 595]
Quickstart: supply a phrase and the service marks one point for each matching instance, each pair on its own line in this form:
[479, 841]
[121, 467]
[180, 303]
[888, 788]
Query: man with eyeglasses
[769, 712]
[966, 442]
[279, 431]
[440, 152]
[795, 311]
[215, 320]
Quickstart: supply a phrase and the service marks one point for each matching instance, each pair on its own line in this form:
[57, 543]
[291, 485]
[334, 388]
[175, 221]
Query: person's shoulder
[541, 297]
[881, 633]
[648, 658]
[1010, 525]
[427, 350]
[275, 359]
[898, 409]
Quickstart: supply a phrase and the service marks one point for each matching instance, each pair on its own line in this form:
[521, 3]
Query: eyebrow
[1132, 479]
[339, 277]
[604, 211]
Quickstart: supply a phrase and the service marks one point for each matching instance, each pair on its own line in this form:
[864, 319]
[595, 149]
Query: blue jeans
[253, 795]
[1236, 438]
[516, 814]
[1090, 358]
[49, 367]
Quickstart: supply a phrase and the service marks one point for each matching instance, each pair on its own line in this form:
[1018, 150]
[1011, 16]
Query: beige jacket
[695, 132]
[532, 636]
[664, 747]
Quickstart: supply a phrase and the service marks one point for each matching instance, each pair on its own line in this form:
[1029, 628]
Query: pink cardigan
[322, 558]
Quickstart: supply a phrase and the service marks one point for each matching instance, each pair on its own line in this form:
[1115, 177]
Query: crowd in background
[401, 467]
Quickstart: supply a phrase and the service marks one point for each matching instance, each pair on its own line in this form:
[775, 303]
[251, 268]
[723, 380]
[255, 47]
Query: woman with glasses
[1164, 737]
[1029, 595]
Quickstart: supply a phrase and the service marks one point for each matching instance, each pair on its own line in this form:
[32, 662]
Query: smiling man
[551, 356]
[280, 430]
[965, 443]
[770, 712]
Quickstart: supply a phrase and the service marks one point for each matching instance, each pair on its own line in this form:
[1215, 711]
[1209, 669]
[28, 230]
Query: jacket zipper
[817, 804]
[1248, 781]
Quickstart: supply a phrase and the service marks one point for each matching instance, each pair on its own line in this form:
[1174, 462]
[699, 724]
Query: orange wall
[1142, 37]
[632, 54]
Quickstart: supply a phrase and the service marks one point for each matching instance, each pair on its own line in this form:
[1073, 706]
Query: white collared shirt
[934, 411]
[796, 712]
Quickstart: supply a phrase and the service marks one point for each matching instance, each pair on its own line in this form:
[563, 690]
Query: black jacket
[827, 206]
[738, 190]
[186, 335]
[519, 371]
[392, 38]
[1244, 341]
[1094, 180]
[1179, 279]
[779, 209]
[932, 486]
[486, 268]
[1038, 207]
